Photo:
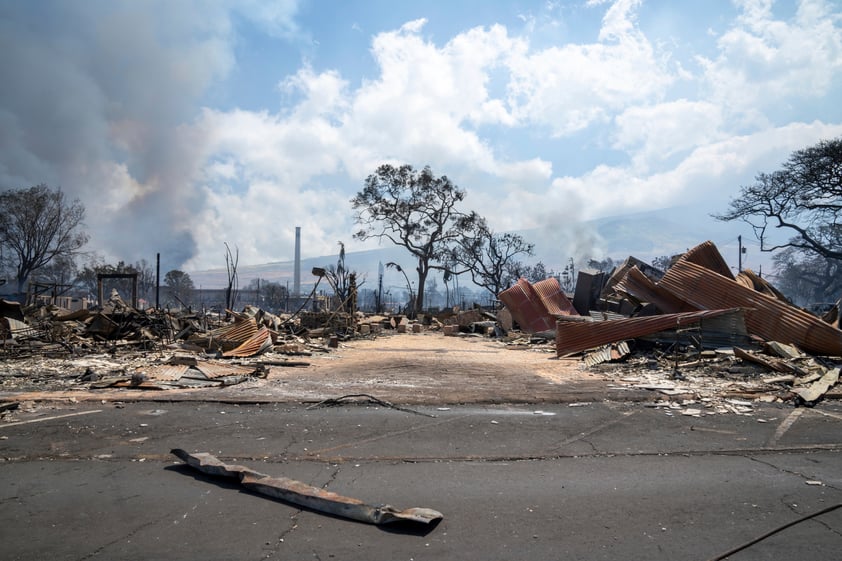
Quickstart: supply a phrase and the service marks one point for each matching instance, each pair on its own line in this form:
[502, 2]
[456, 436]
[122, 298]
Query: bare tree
[803, 199]
[38, 225]
[61, 271]
[416, 210]
[145, 277]
[807, 279]
[231, 260]
[489, 257]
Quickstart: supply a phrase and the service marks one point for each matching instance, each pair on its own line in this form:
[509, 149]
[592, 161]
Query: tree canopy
[491, 258]
[180, 286]
[38, 225]
[416, 210]
[803, 199]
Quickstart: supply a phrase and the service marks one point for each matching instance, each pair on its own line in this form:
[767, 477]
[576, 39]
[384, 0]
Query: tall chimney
[296, 283]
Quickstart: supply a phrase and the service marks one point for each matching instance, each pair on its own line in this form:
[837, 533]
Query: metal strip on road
[305, 495]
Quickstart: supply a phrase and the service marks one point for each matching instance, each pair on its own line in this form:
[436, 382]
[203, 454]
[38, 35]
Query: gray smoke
[100, 98]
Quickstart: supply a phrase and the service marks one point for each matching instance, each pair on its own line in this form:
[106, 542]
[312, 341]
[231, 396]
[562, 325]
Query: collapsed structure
[696, 303]
[694, 313]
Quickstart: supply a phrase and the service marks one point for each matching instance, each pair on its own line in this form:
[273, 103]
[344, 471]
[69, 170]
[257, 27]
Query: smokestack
[296, 283]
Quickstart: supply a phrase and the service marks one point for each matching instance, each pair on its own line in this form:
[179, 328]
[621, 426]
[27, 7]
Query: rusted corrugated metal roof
[164, 372]
[257, 343]
[769, 318]
[575, 336]
[620, 272]
[215, 370]
[641, 287]
[749, 279]
[554, 300]
[241, 330]
[525, 305]
[706, 255]
[227, 337]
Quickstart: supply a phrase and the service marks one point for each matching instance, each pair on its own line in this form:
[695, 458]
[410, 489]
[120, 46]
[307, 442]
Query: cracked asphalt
[605, 480]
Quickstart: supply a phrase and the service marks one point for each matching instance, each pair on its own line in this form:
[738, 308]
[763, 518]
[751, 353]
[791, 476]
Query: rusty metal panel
[639, 286]
[574, 336]
[240, 330]
[749, 279]
[526, 307]
[258, 343]
[215, 370]
[165, 372]
[302, 494]
[767, 317]
[227, 337]
[707, 255]
[555, 301]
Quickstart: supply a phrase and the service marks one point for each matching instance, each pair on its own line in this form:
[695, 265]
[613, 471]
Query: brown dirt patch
[428, 367]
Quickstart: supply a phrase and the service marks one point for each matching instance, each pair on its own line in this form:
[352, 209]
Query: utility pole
[157, 282]
[742, 250]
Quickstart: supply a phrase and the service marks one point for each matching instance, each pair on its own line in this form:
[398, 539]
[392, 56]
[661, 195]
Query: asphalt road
[618, 481]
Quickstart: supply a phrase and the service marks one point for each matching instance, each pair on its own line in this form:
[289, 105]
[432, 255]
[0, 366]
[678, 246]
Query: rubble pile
[50, 348]
[694, 319]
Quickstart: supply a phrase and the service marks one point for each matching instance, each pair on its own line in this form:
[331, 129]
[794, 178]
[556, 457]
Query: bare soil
[410, 368]
[429, 367]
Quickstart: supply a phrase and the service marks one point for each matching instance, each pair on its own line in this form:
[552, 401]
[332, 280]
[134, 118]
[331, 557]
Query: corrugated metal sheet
[640, 287]
[749, 279]
[227, 337]
[526, 308]
[614, 351]
[215, 370]
[555, 301]
[706, 255]
[164, 372]
[240, 330]
[650, 272]
[575, 337]
[596, 315]
[727, 330]
[256, 344]
[766, 317]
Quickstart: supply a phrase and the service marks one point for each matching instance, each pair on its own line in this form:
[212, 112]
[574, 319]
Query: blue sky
[186, 124]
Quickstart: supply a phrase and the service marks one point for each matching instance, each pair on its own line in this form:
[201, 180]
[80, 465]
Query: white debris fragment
[691, 412]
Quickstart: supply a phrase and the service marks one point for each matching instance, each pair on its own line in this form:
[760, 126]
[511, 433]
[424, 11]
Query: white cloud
[655, 133]
[711, 172]
[568, 88]
[764, 61]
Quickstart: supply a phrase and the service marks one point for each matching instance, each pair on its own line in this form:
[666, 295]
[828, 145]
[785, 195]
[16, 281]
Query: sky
[184, 125]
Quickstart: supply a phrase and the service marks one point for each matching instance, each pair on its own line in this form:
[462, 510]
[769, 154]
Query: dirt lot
[431, 368]
[410, 368]
[413, 368]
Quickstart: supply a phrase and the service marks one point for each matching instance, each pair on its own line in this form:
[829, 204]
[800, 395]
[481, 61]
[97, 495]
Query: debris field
[693, 340]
